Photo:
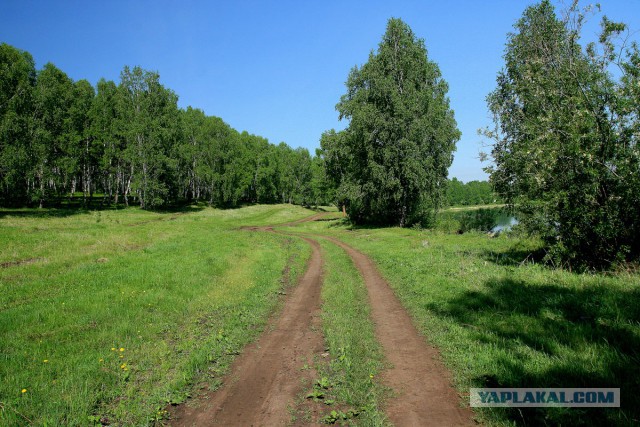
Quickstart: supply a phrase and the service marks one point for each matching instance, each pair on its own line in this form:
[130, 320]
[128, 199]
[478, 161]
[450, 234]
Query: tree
[564, 153]
[105, 146]
[17, 81]
[82, 155]
[264, 166]
[322, 193]
[130, 141]
[395, 153]
[50, 128]
[147, 120]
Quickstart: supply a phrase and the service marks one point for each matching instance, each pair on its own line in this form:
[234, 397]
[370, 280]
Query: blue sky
[276, 69]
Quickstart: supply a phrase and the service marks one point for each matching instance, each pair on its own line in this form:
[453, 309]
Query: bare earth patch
[8, 264]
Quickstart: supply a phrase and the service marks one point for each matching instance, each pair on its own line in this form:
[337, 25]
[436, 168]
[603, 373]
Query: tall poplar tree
[396, 151]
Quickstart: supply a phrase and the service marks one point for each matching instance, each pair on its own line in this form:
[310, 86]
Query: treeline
[129, 143]
[471, 193]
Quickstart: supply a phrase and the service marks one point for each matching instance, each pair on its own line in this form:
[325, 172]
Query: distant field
[108, 316]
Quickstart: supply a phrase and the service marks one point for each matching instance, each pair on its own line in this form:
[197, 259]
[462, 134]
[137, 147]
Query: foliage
[501, 319]
[565, 150]
[17, 82]
[130, 142]
[473, 219]
[390, 164]
[471, 193]
[146, 122]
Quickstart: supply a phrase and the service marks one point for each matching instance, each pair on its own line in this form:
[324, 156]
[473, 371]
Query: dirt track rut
[423, 392]
[266, 378]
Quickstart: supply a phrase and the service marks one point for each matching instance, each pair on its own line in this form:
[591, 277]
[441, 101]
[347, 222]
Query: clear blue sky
[275, 68]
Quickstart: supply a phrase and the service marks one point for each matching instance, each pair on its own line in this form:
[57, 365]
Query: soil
[20, 262]
[424, 395]
[269, 376]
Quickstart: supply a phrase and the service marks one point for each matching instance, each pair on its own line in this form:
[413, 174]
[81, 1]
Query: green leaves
[17, 79]
[391, 163]
[563, 139]
[147, 122]
[130, 142]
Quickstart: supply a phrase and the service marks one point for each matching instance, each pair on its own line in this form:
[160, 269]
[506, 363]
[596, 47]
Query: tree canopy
[390, 164]
[565, 150]
[471, 193]
[130, 143]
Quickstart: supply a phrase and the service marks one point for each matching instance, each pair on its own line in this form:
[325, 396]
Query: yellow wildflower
[24, 390]
[45, 361]
[121, 349]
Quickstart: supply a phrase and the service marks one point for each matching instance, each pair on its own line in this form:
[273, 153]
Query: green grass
[356, 356]
[182, 292]
[110, 315]
[502, 322]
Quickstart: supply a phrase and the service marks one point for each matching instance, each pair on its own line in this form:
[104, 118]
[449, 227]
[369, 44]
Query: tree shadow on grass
[67, 212]
[586, 337]
[516, 257]
[50, 212]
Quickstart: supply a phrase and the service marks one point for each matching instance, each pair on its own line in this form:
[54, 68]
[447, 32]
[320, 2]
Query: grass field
[501, 322]
[108, 316]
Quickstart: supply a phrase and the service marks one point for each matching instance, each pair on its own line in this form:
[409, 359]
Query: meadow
[501, 318]
[110, 316]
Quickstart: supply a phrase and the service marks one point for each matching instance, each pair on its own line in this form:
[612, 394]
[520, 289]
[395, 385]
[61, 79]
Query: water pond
[492, 220]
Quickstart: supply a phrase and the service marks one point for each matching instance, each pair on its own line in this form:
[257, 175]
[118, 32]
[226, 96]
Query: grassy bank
[502, 320]
[108, 316]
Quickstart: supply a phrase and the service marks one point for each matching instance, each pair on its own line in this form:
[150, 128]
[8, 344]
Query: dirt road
[424, 395]
[266, 379]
